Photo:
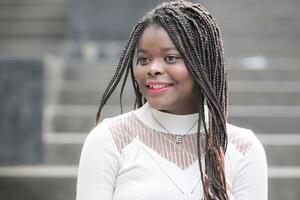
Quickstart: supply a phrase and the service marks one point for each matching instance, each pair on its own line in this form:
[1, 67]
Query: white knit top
[132, 157]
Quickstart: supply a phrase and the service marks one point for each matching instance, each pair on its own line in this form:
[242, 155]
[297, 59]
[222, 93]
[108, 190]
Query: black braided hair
[197, 37]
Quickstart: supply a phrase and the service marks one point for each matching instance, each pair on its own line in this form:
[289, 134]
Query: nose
[156, 68]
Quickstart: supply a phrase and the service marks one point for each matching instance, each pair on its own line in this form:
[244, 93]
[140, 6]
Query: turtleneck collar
[167, 122]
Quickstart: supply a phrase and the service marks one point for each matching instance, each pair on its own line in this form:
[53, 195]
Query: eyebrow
[162, 49]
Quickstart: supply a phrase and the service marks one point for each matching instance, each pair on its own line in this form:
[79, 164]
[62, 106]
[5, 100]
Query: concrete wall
[21, 84]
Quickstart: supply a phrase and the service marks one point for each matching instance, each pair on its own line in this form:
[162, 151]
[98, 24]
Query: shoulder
[130, 120]
[245, 153]
[121, 128]
[99, 135]
[242, 139]
[106, 135]
[120, 123]
[99, 139]
[247, 164]
[103, 130]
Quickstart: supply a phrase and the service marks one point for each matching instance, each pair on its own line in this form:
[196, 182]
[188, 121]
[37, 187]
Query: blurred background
[57, 56]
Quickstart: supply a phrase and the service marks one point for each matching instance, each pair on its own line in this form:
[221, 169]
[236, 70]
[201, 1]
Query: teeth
[156, 86]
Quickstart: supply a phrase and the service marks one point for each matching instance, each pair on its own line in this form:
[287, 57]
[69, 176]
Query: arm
[251, 180]
[98, 166]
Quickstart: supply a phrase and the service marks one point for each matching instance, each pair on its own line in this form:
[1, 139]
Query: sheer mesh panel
[241, 142]
[128, 128]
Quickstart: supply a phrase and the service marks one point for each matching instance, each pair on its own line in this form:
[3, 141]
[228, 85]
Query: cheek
[185, 78]
[138, 75]
[181, 74]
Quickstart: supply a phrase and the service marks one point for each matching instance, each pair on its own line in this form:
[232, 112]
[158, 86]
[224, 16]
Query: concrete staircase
[71, 115]
[30, 28]
[262, 45]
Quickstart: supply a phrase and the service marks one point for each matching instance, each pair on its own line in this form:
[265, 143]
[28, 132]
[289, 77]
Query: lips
[157, 87]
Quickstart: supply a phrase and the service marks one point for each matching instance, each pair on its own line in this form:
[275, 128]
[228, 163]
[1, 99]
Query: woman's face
[162, 75]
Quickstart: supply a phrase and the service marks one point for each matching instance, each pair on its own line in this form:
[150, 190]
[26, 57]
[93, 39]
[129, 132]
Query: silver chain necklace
[178, 136]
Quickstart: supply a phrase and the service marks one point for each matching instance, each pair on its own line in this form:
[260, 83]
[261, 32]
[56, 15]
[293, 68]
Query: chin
[158, 105]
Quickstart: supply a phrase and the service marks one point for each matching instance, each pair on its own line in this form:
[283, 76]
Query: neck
[175, 124]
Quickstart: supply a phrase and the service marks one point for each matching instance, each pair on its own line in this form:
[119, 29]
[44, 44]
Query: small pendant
[178, 139]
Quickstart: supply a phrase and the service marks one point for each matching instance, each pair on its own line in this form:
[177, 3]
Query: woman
[177, 144]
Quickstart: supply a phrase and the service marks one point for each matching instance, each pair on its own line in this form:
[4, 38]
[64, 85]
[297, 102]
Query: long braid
[197, 37]
[125, 61]
[216, 143]
[191, 43]
[200, 145]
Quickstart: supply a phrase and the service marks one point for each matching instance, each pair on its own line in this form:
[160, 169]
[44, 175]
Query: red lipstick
[157, 87]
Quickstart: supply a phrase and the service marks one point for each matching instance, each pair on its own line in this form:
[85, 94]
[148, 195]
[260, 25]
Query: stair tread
[48, 171]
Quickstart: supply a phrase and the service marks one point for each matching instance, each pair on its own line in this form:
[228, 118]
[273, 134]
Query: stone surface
[64, 188]
[118, 17]
[37, 188]
[69, 154]
[21, 101]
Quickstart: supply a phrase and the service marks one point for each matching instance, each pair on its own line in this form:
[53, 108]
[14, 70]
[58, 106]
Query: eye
[171, 59]
[143, 60]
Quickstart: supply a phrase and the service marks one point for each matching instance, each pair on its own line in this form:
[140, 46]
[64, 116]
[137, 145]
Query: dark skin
[162, 75]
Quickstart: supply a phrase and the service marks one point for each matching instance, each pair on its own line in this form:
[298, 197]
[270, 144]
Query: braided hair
[197, 37]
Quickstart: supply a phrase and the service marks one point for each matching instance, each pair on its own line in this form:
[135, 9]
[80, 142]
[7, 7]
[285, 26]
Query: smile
[157, 88]
[157, 85]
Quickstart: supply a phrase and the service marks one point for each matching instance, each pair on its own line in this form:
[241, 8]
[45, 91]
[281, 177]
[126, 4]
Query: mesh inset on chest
[183, 155]
[241, 141]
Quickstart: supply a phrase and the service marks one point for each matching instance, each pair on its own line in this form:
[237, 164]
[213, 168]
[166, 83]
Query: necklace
[178, 136]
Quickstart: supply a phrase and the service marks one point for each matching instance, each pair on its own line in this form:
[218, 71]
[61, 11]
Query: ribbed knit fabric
[132, 157]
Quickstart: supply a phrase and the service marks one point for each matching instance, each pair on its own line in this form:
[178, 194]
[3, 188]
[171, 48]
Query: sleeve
[98, 166]
[251, 181]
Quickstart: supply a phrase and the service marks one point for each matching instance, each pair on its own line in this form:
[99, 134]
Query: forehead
[155, 36]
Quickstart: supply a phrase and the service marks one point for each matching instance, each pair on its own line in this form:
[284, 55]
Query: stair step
[240, 93]
[244, 46]
[65, 148]
[263, 119]
[265, 86]
[104, 72]
[34, 46]
[263, 68]
[280, 10]
[288, 98]
[38, 187]
[32, 27]
[215, 4]
[35, 183]
[273, 86]
[265, 74]
[62, 154]
[76, 118]
[39, 12]
[243, 64]
[26, 2]
[283, 98]
[278, 28]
